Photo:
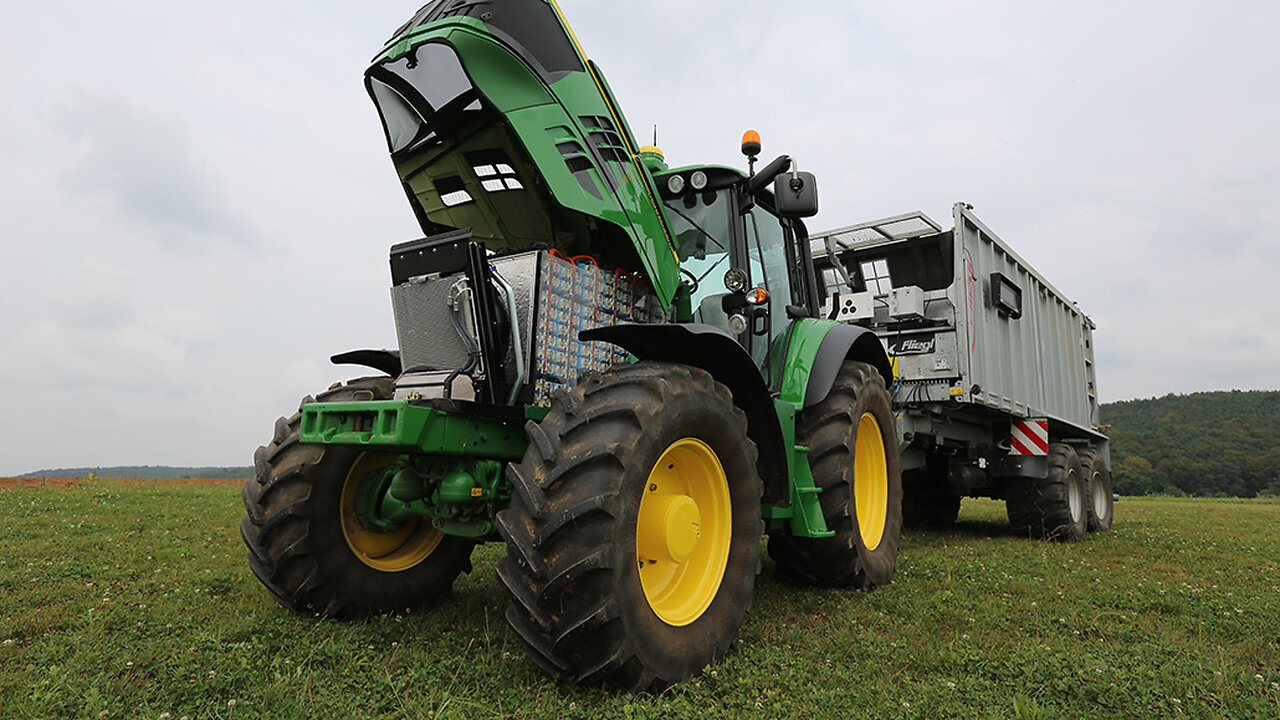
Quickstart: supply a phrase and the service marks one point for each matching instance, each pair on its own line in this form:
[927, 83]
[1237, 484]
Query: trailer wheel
[308, 543]
[935, 511]
[1101, 502]
[633, 532]
[1055, 506]
[853, 454]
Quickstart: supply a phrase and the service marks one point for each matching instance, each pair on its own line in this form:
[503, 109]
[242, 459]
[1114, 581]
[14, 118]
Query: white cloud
[192, 236]
[144, 166]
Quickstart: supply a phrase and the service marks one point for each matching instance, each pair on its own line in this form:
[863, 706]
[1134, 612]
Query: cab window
[768, 269]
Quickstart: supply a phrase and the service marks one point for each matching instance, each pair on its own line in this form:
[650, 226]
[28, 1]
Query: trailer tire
[306, 542]
[1054, 506]
[934, 511]
[1101, 501]
[633, 531]
[853, 454]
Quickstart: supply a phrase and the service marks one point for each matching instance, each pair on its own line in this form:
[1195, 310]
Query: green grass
[136, 600]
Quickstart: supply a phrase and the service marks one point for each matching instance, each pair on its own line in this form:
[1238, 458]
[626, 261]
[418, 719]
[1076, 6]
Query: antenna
[655, 134]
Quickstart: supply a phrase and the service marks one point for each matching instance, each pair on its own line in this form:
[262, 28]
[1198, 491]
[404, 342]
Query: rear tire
[853, 454]
[1101, 501]
[1054, 506]
[633, 532]
[307, 543]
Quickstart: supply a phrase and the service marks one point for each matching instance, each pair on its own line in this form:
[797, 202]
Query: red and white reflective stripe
[1030, 437]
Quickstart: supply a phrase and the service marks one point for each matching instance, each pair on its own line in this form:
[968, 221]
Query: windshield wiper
[697, 227]
[716, 264]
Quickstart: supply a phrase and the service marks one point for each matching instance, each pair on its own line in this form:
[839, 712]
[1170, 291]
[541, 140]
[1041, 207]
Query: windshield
[702, 226]
[423, 97]
[699, 223]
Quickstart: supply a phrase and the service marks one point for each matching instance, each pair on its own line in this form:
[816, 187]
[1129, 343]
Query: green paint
[542, 123]
[684, 304]
[806, 336]
[583, 187]
[804, 516]
[398, 426]
[455, 493]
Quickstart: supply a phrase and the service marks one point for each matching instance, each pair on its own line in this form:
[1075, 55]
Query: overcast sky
[197, 202]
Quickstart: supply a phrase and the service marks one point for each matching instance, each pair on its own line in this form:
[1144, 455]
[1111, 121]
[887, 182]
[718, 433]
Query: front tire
[853, 454]
[633, 532]
[308, 543]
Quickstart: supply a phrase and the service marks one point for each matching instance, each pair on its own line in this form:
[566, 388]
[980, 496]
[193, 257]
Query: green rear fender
[815, 352]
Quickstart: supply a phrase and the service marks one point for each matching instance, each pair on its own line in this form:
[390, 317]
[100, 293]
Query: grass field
[133, 599]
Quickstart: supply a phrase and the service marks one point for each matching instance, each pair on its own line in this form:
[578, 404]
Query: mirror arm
[766, 176]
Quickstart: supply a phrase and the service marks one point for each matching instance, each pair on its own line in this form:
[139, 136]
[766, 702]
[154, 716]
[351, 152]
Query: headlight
[735, 280]
[675, 184]
[698, 180]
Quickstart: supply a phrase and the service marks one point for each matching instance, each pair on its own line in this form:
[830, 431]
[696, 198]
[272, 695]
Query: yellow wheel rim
[870, 481]
[381, 550]
[683, 532]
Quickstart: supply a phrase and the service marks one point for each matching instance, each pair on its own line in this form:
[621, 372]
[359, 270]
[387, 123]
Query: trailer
[995, 389]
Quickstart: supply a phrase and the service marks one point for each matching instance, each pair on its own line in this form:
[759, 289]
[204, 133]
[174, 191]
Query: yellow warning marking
[622, 130]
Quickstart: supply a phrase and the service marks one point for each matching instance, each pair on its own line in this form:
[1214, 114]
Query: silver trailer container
[995, 389]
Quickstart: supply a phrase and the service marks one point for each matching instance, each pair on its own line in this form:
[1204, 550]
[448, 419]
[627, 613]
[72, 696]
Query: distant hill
[1212, 443]
[147, 471]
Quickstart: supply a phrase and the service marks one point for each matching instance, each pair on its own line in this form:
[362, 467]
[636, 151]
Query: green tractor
[616, 368]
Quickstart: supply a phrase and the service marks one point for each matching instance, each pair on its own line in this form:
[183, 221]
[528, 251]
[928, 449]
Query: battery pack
[555, 299]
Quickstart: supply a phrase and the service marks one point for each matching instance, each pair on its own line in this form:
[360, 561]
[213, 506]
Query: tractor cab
[745, 262]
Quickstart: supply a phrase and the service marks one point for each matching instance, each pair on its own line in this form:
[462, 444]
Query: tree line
[1206, 444]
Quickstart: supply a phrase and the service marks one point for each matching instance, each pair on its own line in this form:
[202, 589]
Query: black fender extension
[844, 342]
[387, 361]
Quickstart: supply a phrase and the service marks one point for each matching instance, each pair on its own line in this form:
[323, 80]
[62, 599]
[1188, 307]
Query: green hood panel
[501, 125]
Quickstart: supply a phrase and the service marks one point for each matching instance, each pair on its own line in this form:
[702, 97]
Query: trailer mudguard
[387, 361]
[836, 343]
[712, 349]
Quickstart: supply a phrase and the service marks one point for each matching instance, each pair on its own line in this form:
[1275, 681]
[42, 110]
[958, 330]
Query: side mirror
[796, 194]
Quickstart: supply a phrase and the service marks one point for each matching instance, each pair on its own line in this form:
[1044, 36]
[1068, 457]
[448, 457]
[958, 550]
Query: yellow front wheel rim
[870, 481]
[392, 551]
[683, 531]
